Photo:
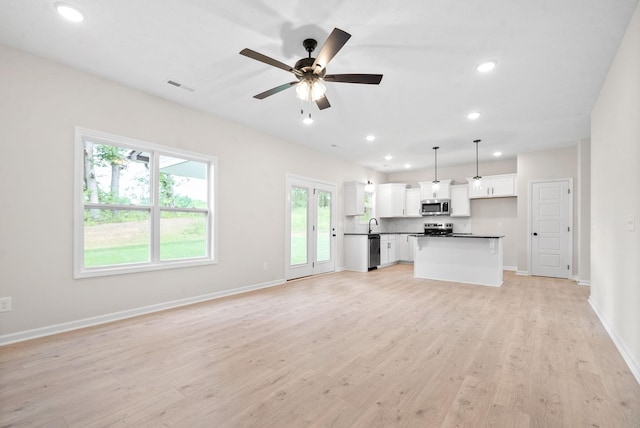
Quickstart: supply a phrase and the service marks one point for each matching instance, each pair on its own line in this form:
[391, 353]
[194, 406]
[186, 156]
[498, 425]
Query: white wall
[488, 216]
[615, 198]
[584, 214]
[40, 105]
[548, 164]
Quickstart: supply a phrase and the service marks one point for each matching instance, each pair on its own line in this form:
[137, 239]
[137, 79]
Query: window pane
[183, 183]
[299, 198]
[113, 175]
[115, 237]
[368, 213]
[323, 242]
[183, 235]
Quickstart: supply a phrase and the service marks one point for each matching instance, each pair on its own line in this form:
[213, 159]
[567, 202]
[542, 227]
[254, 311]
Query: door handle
[535, 233]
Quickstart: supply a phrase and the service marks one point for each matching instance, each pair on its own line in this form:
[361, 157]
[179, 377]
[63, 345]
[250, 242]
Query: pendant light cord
[435, 150]
[477, 177]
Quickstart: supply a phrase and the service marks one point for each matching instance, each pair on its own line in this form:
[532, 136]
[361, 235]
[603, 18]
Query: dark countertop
[462, 235]
[383, 233]
[422, 235]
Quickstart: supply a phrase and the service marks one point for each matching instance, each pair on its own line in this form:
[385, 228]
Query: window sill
[127, 269]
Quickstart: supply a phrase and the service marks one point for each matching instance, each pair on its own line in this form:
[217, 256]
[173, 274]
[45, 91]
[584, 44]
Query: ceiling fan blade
[371, 79]
[268, 60]
[334, 43]
[275, 90]
[323, 103]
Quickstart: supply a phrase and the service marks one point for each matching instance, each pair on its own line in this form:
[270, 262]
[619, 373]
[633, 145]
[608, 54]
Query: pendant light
[435, 186]
[477, 184]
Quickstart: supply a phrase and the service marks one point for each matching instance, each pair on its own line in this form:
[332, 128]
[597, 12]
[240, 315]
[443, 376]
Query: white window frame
[156, 150]
[371, 206]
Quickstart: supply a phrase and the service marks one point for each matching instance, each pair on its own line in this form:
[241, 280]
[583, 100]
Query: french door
[310, 228]
[551, 237]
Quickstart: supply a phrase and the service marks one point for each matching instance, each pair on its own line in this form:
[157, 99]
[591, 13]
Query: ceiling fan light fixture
[310, 89]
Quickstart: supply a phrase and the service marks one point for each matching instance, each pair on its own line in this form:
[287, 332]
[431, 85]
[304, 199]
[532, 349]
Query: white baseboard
[510, 268]
[522, 272]
[584, 282]
[21, 336]
[634, 366]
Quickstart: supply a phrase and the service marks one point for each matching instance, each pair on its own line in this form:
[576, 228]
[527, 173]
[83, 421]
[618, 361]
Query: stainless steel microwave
[435, 207]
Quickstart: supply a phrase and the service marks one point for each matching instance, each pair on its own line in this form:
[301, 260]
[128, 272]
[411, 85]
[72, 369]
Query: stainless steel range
[432, 229]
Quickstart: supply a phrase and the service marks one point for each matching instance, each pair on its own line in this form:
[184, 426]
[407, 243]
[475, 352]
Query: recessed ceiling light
[497, 154]
[371, 137]
[486, 66]
[388, 157]
[407, 166]
[473, 115]
[69, 12]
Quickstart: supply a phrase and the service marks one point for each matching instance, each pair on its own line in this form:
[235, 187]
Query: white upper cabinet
[443, 191]
[412, 203]
[390, 200]
[460, 204]
[353, 198]
[494, 186]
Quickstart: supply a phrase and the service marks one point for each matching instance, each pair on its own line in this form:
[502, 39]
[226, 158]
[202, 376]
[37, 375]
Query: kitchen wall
[615, 199]
[40, 106]
[488, 216]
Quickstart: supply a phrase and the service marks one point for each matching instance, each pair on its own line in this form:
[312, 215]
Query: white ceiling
[552, 56]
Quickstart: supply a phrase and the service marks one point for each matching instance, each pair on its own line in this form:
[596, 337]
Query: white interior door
[310, 228]
[551, 228]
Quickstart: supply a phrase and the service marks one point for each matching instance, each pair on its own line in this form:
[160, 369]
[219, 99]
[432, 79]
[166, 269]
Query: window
[140, 206]
[369, 203]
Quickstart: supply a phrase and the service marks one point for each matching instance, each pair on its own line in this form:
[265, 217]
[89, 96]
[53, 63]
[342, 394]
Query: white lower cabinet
[388, 249]
[356, 253]
[405, 244]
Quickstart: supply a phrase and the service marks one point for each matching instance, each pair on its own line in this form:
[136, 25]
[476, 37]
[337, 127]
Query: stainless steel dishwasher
[374, 251]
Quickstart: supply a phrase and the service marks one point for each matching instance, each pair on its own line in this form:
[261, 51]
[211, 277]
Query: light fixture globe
[302, 90]
[310, 88]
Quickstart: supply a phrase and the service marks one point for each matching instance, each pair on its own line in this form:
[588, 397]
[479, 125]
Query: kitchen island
[472, 259]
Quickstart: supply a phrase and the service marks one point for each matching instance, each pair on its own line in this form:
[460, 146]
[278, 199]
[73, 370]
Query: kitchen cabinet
[442, 193]
[460, 203]
[353, 198]
[388, 249]
[390, 200]
[412, 203]
[405, 244]
[356, 252]
[494, 186]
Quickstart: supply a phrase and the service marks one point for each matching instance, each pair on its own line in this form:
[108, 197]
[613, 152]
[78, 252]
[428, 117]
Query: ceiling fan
[312, 72]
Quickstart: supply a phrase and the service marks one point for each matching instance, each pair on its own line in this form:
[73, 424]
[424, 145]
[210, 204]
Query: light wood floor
[341, 350]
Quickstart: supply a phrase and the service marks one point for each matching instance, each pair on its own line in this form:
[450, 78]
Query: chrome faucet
[370, 223]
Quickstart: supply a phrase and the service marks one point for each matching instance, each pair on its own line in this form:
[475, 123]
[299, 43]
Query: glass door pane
[323, 222]
[299, 221]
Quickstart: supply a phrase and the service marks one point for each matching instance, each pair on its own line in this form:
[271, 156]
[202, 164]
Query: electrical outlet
[5, 304]
[265, 266]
